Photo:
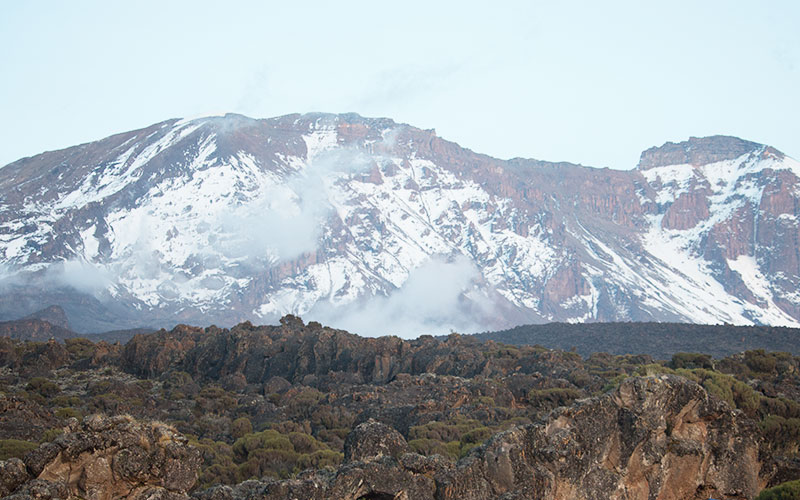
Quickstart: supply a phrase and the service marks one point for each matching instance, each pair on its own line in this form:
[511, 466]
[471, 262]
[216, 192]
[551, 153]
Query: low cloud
[433, 300]
[83, 276]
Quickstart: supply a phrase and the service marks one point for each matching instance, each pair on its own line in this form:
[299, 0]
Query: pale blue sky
[592, 82]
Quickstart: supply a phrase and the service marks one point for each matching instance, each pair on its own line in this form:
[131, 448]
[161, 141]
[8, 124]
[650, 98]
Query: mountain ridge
[333, 215]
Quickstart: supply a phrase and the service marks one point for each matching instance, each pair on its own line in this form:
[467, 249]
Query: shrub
[691, 360]
[760, 362]
[553, 397]
[68, 413]
[80, 348]
[43, 386]
[240, 427]
[14, 448]
[785, 491]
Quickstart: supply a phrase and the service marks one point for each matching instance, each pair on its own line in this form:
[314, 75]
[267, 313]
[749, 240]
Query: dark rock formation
[300, 353]
[104, 458]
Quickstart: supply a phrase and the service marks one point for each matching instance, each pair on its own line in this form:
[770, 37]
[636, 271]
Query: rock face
[655, 437]
[105, 458]
[697, 151]
[373, 439]
[227, 219]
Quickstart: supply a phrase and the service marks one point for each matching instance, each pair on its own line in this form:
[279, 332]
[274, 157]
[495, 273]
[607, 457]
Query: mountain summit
[381, 227]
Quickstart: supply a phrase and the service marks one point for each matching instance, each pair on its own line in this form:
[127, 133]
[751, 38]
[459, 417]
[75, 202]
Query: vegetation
[785, 491]
[453, 397]
[14, 448]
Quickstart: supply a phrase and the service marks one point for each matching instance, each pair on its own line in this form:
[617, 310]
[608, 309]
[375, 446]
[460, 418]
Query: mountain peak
[697, 151]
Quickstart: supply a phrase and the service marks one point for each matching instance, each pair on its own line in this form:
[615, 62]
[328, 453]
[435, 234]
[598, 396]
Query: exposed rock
[34, 329]
[12, 474]
[372, 440]
[655, 437]
[104, 458]
[39, 489]
[696, 151]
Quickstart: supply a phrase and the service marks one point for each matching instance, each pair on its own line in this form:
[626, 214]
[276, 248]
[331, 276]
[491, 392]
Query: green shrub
[691, 360]
[80, 348]
[760, 362]
[785, 491]
[14, 448]
[241, 427]
[50, 435]
[553, 397]
[426, 447]
[68, 413]
[319, 459]
[43, 386]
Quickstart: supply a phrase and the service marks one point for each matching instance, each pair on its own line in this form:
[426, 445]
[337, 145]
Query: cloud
[286, 220]
[433, 300]
[83, 276]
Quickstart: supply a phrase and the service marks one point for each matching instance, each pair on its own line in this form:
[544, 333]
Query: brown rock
[105, 458]
[12, 474]
[373, 439]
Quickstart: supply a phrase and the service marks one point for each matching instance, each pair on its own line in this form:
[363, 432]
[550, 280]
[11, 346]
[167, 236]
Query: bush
[14, 448]
[240, 427]
[550, 398]
[760, 362]
[691, 360]
[785, 491]
[80, 348]
[68, 413]
[43, 386]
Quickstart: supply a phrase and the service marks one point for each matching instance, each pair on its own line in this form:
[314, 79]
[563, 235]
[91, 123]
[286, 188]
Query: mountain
[381, 227]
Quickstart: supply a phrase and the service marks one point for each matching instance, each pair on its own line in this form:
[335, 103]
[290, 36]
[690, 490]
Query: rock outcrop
[105, 458]
[655, 437]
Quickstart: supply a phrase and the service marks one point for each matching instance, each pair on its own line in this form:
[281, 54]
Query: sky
[589, 82]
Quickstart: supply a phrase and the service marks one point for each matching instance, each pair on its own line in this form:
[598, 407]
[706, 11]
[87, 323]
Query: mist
[286, 220]
[433, 300]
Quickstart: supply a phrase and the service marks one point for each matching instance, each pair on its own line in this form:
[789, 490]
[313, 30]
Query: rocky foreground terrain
[304, 411]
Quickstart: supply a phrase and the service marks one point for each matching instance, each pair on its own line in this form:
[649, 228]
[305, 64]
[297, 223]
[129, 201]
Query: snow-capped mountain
[381, 227]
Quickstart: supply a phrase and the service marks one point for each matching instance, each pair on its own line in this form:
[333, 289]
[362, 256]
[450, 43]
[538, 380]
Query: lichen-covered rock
[12, 474]
[39, 489]
[104, 458]
[373, 439]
